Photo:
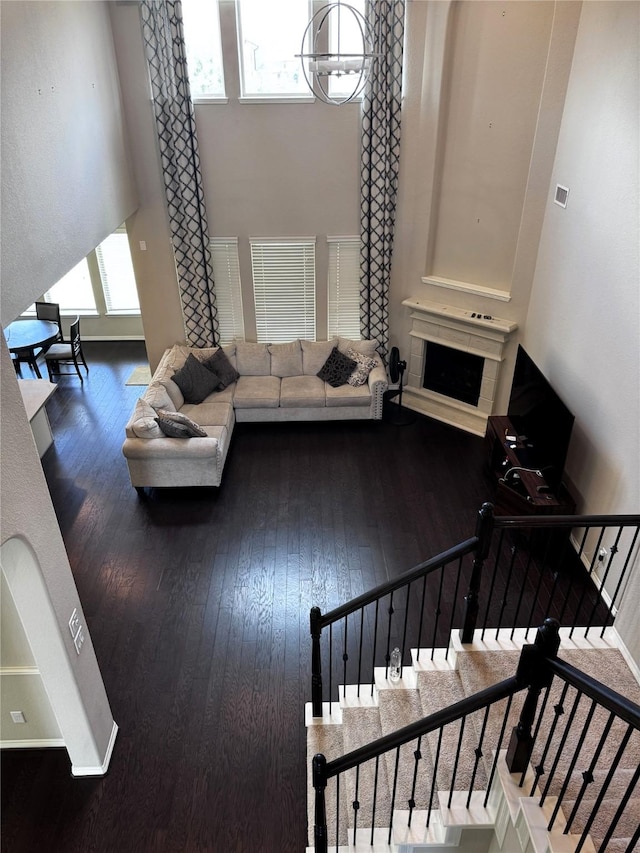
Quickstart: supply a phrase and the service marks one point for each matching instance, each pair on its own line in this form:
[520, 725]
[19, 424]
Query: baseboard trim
[102, 769]
[43, 743]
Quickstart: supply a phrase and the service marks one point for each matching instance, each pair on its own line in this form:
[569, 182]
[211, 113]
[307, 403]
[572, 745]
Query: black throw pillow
[222, 367]
[195, 381]
[337, 368]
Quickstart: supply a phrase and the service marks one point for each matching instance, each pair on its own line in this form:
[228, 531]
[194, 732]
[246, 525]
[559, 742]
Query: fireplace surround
[467, 351]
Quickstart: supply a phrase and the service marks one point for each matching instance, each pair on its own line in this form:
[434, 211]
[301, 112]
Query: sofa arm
[378, 384]
[170, 448]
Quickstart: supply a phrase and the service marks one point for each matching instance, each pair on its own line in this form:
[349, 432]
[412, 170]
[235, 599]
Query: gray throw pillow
[220, 365]
[337, 368]
[195, 380]
[173, 429]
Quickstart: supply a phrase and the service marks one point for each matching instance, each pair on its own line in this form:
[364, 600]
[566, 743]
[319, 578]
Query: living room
[75, 166]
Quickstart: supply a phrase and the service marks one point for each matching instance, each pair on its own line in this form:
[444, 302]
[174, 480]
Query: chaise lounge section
[264, 383]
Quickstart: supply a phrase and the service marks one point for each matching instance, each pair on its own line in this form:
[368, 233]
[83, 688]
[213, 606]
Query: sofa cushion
[365, 347]
[301, 391]
[143, 422]
[257, 392]
[210, 413]
[347, 395]
[314, 355]
[365, 365]
[253, 359]
[195, 380]
[337, 368]
[218, 362]
[194, 429]
[286, 359]
[158, 397]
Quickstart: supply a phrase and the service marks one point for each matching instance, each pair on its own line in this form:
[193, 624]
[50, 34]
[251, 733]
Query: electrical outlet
[603, 553]
[78, 640]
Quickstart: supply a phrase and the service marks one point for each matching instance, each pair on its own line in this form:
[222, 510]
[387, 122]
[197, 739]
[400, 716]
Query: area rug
[140, 376]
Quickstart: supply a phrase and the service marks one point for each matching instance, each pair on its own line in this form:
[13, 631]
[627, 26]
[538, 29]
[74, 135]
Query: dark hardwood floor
[197, 602]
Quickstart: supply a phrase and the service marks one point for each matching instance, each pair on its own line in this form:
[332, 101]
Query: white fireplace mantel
[457, 328]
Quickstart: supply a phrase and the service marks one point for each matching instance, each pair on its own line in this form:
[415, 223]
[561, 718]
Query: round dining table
[24, 337]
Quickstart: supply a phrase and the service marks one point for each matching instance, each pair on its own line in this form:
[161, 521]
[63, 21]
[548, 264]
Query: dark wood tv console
[529, 492]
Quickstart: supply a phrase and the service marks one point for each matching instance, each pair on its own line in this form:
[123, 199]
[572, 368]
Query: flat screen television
[541, 420]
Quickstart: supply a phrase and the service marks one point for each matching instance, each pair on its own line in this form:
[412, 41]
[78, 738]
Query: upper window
[116, 272]
[269, 37]
[201, 21]
[74, 292]
[284, 286]
[345, 37]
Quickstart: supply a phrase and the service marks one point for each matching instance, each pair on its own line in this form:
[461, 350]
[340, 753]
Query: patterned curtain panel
[379, 166]
[175, 124]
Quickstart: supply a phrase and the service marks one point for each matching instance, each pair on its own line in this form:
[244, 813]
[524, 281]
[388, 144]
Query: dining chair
[66, 353]
[50, 311]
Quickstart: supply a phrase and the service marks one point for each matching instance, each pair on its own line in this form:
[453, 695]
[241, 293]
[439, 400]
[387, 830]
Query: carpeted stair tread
[438, 690]
[625, 828]
[327, 740]
[362, 726]
[399, 708]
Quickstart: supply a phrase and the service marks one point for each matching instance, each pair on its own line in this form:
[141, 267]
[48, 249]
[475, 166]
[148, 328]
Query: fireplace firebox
[453, 373]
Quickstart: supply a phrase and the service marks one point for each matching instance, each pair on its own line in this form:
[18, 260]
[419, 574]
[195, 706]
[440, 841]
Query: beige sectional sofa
[276, 382]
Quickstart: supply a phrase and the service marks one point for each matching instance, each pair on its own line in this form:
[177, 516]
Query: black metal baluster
[437, 612]
[393, 795]
[523, 584]
[337, 812]
[621, 808]
[356, 805]
[417, 755]
[497, 755]
[573, 762]
[424, 593]
[478, 753]
[435, 776]
[492, 584]
[560, 748]
[345, 658]
[330, 667]
[505, 594]
[360, 648]
[587, 776]
[603, 580]
[589, 573]
[453, 610]
[375, 643]
[388, 654]
[404, 629]
[621, 580]
[558, 711]
[455, 763]
[375, 797]
[579, 554]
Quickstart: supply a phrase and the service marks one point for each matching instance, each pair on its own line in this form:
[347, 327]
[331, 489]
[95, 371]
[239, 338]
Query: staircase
[510, 812]
[448, 786]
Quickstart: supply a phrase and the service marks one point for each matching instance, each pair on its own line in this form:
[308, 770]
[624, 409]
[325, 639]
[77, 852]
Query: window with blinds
[226, 275]
[344, 287]
[116, 273]
[284, 287]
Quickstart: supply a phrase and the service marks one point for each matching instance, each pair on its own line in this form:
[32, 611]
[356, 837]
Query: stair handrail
[537, 665]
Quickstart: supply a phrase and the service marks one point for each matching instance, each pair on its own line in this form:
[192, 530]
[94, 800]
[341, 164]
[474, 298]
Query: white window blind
[226, 275]
[344, 287]
[73, 292]
[284, 286]
[117, 275]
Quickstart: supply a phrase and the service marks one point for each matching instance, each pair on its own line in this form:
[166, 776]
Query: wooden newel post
[533, 671]
[319, 778]
[484, 531]
[316, 661]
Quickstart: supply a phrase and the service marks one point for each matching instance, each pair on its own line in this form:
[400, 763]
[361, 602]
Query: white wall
[66, 183]
[583, 325]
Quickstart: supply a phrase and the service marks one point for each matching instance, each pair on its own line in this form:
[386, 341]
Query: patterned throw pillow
[365, 365]
[195, 380]
[144, 421]
[220, 365]
[337, 368]
[173, 429]
[196, 431]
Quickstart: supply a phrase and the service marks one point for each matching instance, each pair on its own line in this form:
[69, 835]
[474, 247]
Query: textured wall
[66, 183]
